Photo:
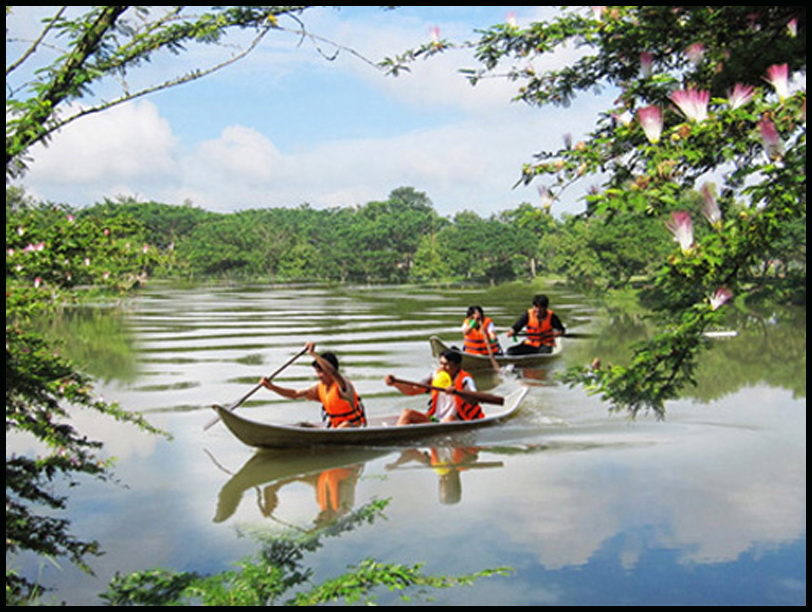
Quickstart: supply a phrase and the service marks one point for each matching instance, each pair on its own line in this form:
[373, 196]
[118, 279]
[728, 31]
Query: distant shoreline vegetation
[399, 240]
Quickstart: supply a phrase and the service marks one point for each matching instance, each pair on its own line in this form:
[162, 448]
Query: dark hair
[330, 358]
[454, 357]
[473, 309]
[541, 300]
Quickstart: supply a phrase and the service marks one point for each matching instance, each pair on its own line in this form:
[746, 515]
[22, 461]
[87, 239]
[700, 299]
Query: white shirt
[446, 402]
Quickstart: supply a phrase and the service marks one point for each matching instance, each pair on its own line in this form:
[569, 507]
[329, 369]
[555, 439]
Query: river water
[588, 507]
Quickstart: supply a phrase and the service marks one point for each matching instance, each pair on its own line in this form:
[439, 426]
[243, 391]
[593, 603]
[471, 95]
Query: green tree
[475, 249]
[702, 90]
[536, 220]
[388, 233]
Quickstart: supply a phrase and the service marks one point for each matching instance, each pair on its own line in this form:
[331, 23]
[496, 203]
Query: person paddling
[542, 326]
[480, 333]
[443, 405]
[341, 404]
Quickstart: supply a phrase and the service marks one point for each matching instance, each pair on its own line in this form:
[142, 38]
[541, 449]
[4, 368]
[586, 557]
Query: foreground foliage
[49, 252]
[278, 572]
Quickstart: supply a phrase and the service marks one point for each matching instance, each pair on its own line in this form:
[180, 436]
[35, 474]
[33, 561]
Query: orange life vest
[335, 489]
[475, 339]
[465, 410]
[539, 332]
[339, 410]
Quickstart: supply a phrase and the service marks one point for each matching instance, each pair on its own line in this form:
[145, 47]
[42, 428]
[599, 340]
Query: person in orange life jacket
[340, 403]
[477, 329]
[542, 325]
[443, 406]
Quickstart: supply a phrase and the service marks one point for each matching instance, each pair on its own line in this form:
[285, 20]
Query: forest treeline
[400, 239]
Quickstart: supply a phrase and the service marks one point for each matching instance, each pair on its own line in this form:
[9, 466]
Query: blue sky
[286, 126]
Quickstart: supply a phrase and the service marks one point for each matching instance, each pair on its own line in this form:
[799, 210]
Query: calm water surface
[706, 507]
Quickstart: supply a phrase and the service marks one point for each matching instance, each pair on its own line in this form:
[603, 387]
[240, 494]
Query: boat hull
[381, 430]
[471, 361]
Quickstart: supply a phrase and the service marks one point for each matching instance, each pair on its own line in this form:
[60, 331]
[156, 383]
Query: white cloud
[241, 154]
[127, 142]
[465, 149]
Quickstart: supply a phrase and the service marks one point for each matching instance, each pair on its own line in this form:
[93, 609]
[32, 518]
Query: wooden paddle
[494, 363]
[240, 401]
[564, 335]
[476, 396]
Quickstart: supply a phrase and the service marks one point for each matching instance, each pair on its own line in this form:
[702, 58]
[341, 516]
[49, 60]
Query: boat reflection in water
[448, 462]
[333, 474]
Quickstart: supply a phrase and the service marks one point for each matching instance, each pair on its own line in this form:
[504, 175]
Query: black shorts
[527, 349]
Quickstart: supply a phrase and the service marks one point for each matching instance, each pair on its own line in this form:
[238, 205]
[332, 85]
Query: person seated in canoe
[542, 324]
[341, 406]
[449, 405]
[480, 333]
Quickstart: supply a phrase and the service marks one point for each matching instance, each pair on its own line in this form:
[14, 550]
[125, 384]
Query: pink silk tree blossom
[695, 53]
[740, 95]
[693, 103]
[646, 62]
[719, 297]
[682, 227]
[778, 77]
[771, 139]
[651, 120]
[710, 208]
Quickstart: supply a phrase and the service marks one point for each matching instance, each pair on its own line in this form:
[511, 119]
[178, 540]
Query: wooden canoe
[472, 361]
[380, 429]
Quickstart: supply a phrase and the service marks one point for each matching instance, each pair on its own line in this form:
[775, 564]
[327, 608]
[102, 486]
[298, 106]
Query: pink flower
[695, 52]
[682, 227]
[597, 12]
[651, 120]
[792, 27]
[720, 296]
[692, 102]
[34, 247]
[710, 208]
[37, 282]
[778, 77]
[771, 139]
[145, 248]
[511, 19]
[646, 60]
[435, 36]
[740, 95]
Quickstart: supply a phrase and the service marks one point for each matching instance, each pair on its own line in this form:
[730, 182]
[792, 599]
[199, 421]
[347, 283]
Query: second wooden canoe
[472, 361]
